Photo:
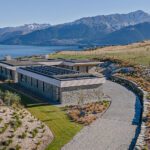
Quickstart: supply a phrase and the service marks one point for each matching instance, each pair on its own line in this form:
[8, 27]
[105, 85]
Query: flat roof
[18, 63]
[48, 60]
[78, 60]
[58, 72]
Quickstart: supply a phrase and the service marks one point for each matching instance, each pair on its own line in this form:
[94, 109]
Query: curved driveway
[117, 127]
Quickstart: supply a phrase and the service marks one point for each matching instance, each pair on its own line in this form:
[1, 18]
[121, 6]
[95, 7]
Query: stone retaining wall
[82, 94]
[140, 135]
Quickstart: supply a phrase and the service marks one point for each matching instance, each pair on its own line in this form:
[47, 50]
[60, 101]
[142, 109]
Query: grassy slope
[54, 117]
[138, 53]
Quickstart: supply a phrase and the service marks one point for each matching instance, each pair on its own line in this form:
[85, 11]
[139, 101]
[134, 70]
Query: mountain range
[11, 32]
[99, 30]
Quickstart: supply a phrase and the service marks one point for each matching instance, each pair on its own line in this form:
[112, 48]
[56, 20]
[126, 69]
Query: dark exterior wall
[8, 74]
[40, 88]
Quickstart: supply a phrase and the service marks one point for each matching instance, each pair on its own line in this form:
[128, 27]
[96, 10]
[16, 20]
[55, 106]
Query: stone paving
[117, 127]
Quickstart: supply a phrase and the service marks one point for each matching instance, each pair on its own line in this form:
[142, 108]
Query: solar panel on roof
[57, 72]
[50, 70]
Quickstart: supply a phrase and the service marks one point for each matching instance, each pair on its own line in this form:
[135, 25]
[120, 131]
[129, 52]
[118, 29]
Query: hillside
[138, 53]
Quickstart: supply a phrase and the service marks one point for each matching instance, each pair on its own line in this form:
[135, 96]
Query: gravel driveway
[116, 129]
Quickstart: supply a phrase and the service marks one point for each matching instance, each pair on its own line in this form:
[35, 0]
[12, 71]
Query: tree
[98, 94]
[16, 100]
[81, 98]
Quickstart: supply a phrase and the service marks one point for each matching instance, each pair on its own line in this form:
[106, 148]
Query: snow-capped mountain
[9, 32]
[98, 30]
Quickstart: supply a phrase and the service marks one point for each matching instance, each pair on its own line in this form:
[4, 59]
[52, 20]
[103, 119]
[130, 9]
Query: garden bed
[87, 113]
[20, 130]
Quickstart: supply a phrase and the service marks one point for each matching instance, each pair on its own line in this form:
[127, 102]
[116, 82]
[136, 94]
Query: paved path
[116, 129]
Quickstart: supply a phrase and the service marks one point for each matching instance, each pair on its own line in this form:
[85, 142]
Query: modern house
[61, 85]
[8, 68]
[56, 80]
[85, 66]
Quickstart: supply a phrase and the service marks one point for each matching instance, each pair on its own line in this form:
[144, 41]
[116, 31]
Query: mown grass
[54, 117]
[57, 120]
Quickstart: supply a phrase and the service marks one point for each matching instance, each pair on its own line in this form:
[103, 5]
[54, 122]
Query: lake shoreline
[16, 51]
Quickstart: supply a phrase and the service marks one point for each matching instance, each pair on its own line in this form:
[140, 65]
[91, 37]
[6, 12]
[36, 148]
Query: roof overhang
[61, 83]
[8, 66]
[81, 63]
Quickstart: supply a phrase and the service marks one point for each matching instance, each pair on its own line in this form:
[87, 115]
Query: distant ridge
[127, 35]
[9, 32]
[98, 30]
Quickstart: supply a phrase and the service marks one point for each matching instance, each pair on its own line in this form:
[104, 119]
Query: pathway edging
[140, 142]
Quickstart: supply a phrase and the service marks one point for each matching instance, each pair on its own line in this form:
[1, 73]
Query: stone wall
[140, 134]
[82, 94]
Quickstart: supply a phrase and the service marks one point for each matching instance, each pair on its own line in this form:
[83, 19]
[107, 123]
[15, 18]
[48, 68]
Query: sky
[19, 12]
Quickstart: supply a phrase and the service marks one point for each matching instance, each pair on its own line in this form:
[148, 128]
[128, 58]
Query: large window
[21, 77]
[11, 73]
[37, 83]
[57, 94]
[43, 87]
[31, 81]
[5, 71]
[87, 69]
[78, 68]
[1, 70]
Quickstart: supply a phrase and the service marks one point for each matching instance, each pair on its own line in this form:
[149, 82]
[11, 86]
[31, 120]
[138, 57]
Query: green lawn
[56, 119]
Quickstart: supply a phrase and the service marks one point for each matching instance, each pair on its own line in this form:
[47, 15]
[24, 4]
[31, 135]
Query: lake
[19, 51]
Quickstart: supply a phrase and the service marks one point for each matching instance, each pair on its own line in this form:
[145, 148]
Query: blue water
[19, 51]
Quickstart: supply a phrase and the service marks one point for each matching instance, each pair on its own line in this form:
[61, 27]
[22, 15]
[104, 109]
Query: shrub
[22, 136]
[12, 99]
[17, 147]
[1, 120]
[2, 130]
[1, 94]
[15, 124]
[148, 96]
[34, 132]
[6, 143]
